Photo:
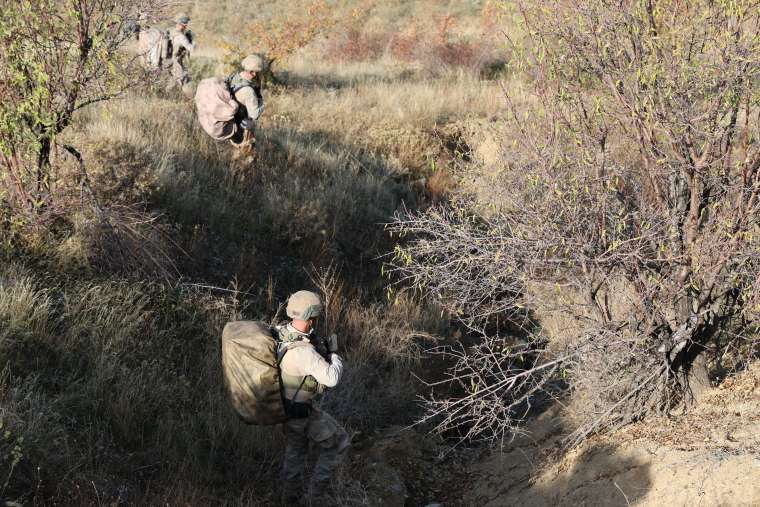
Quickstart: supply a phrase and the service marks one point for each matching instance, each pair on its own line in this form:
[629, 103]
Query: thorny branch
[620, 243]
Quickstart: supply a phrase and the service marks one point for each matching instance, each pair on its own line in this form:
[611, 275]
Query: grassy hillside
[110, 315]
[408, 148]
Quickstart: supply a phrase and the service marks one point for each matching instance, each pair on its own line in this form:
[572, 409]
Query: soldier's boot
[249, 147]
[244, 153]
[331, 453]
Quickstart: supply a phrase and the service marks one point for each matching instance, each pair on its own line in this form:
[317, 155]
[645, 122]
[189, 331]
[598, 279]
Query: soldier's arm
[327, 374]
[248, 98]
[181, 40]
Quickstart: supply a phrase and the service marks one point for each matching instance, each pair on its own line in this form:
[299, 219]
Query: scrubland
[110, 317]
[396, 139]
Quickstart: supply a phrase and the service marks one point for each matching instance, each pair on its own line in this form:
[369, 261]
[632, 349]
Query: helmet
[304, 305]
[252, 63]
[182, 19]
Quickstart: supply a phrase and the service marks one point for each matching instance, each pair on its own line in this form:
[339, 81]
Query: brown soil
[709, 456]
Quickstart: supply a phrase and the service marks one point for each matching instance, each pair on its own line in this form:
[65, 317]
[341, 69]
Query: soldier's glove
[247, 124]
[332, 343]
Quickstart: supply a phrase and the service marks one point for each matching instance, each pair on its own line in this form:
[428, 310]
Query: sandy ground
[708, 457]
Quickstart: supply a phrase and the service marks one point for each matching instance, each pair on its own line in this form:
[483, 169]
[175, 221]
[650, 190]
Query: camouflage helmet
[304, 305]
[182, 19]
[252, 63]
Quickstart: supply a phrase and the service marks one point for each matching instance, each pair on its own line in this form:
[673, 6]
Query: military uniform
[248, 94]
[182, 47]
[307, 369]
[181, 40]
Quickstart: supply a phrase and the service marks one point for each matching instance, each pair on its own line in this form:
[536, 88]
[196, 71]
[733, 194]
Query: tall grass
[111, 387]
[382, 92]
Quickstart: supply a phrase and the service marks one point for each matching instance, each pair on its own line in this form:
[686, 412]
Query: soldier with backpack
[163, 49]
[245, 86]
[228, 108]
[272, 376]
[181, 47]
[154, 47]
[308, 366]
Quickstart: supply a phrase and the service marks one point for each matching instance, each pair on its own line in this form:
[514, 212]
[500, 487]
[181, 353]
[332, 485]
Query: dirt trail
[708, 457]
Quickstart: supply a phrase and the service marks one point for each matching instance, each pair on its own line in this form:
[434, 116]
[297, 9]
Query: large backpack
[155, 47]
[251, 358]
[251, 372]
[216, 108]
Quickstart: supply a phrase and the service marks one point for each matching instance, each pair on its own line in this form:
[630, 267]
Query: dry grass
[352, 96]
[136, 385]
[111, 388]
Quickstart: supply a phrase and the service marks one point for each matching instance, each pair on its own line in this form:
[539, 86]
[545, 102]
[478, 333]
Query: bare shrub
[403, 45]
[431, 44]
[491, 388]
[629, 203]
[127, 240]
[356, 45]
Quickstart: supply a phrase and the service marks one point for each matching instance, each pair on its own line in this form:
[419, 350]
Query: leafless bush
[496, 383]
[628, 204]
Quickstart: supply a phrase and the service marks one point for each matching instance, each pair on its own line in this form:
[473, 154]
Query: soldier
[246, 88]
[182, 48]
[308, 366]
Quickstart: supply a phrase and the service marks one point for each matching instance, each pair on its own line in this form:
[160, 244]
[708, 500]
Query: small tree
[628, 205]
[280, 36]
[57, 57]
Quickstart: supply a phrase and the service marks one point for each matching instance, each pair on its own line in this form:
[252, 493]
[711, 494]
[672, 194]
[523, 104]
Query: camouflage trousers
[327, 436]
[180, 73]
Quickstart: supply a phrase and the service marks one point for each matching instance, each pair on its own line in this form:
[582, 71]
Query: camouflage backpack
[155, 47]
[251, 356]
[216, 108]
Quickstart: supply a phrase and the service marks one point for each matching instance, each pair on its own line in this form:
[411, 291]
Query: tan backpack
[155, 47]
[251, 372]
[216, 108]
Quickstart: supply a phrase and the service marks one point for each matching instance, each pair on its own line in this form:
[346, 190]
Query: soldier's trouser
[180, 74]
[327, 435]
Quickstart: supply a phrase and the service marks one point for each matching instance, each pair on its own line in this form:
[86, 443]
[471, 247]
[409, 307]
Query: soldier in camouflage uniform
[182, 48]
[308, 366]
[245, 86]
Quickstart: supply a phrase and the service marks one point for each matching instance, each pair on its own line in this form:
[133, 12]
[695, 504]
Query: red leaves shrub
[431, 48]
[356, 46]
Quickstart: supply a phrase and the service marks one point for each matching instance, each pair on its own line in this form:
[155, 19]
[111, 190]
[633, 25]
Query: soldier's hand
[332, 343]
[247, 124]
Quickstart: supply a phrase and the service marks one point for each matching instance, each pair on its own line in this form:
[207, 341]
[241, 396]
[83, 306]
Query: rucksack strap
[234, 87]
[169, 45]
[293, 408]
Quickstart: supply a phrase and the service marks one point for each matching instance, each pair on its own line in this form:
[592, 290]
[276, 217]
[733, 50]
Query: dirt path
[708, 457]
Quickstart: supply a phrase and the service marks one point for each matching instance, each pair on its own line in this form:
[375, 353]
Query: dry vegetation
[119, 268]
[112, 300]
[626, 206]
